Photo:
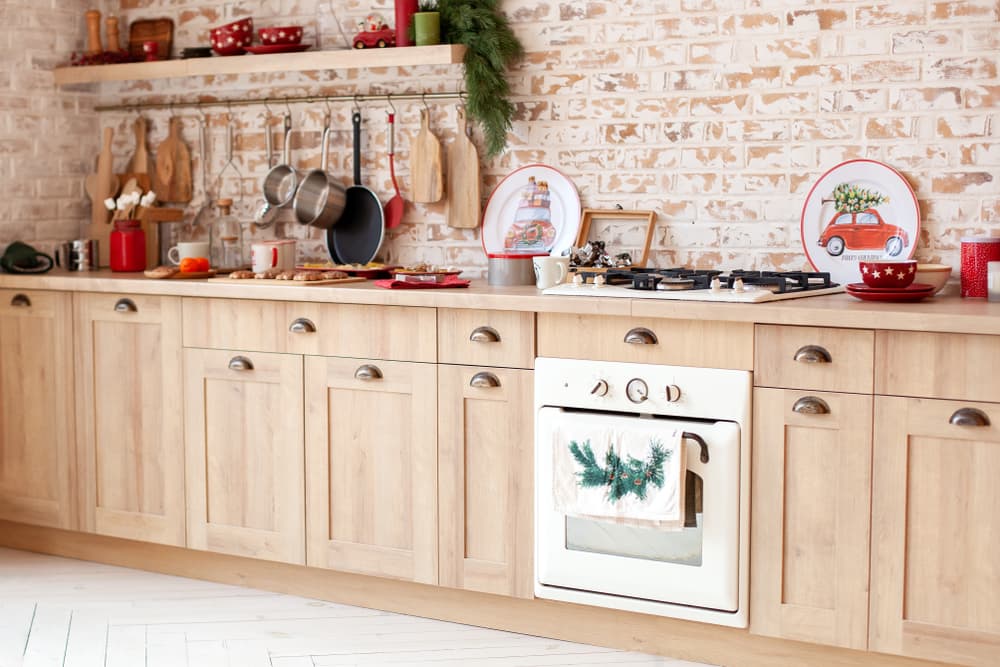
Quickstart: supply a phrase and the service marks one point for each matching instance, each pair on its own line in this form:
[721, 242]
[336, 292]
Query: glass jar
[227, 239]
[128, 246]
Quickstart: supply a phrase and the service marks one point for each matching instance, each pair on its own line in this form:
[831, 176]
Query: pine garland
[848, 198]
[621, 477]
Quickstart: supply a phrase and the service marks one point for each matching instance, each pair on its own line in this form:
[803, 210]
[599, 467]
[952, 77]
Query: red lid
[498, 255]
[981, 239]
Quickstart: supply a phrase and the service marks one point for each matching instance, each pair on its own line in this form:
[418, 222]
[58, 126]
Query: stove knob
[600, 388]
[599, 280]
[637, 390]
[738, 285]
[673, 393]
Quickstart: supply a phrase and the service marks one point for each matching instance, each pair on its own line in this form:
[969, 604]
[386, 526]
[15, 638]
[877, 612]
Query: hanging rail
[266, 101]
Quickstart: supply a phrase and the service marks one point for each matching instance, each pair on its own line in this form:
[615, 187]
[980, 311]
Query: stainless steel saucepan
[320, 199]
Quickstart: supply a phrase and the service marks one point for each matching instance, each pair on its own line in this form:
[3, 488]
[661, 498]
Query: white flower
[109, 203]
[148, 199]
[122, 203]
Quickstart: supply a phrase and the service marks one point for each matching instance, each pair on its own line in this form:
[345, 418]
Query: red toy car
[862, 231]
[374, 33]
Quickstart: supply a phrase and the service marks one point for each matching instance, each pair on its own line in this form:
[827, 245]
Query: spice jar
[128, 246]
[977, 252]
[227, 239]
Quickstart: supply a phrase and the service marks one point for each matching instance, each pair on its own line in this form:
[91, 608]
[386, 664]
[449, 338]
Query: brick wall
[717, 114]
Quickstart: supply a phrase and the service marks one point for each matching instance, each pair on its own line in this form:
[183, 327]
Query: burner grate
[648, 279]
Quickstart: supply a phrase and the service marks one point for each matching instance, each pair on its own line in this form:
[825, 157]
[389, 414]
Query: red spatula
[393, 208]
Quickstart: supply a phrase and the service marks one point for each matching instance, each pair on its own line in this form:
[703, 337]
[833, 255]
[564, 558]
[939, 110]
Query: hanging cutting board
[425, 164]
[101, 185]
[140, 159]
[172, 175]
[464, 196]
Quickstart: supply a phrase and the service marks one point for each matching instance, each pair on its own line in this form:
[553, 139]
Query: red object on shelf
[405, 9]
[976, 252]
[452, 281]
[128, 246]
[151, 49]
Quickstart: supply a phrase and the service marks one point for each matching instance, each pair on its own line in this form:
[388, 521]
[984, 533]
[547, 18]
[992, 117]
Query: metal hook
[388, 98]
[329, 110]
[357, 107]
[288, 107]
[423, 99]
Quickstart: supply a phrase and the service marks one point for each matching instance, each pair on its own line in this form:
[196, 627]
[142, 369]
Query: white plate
[889, 225]
[555, 235]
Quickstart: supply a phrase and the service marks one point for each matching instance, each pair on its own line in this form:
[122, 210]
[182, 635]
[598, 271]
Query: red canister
[977, 251]
[128, 246]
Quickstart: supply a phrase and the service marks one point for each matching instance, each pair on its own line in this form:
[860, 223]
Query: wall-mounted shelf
[443, 54]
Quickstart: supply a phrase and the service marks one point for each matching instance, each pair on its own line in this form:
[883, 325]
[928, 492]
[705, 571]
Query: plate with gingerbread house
[535, 210]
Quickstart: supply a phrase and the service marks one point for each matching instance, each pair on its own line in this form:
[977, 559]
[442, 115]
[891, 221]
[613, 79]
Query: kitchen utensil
[229, 164]
[172, 176]
[977, 252]
[888, 274]
[356, 239]
[185, 249]
[914, 292]
[319, 200]
[78, 255]
[159, 30]
[393, 210]
[549, 270]
[464, 183]
[200, 218]
[509, 270]
[101, 185]
[289, 34]
[139, 162]
[281, 181]
[272, 255]
[265, 214]
[425, 164]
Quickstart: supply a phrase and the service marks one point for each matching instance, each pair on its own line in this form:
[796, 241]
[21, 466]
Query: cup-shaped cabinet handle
[240, 363]
[812, 354]
[811, 405]
[641, 336]
[368, 372]
[21, 301]
[484, 335]
[126, 306]
[484, 380]
[302, 325]
[969, 417]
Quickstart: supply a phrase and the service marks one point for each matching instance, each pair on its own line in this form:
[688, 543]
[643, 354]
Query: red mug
[152, 50]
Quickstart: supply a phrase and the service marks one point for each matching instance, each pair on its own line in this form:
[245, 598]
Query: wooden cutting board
[172, 175]
[425, 164]
[299, 283]
[101, 185]
[464, 182]
[140, 159]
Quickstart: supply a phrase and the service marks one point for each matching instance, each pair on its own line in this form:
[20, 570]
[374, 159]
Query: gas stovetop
[697, 284]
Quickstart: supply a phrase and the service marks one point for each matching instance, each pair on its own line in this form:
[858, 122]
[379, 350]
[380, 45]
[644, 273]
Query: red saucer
[264, 49]
[914, 292]
[912, 287]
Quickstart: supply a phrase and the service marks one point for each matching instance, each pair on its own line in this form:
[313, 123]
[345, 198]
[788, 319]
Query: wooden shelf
[443, 54]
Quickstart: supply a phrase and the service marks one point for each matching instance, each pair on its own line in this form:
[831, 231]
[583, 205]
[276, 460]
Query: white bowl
[933, 274]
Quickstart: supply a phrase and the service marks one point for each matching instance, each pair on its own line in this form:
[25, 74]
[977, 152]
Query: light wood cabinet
[371, 461]
[813, 358]
[36, 408]
[810, 516]
[485, 455]
[130, 426]
[245, 453]
[936, 531]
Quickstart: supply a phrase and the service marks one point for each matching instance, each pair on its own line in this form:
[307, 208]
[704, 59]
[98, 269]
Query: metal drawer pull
[302, 325]
[969, 417]
[240, 363]
[21, 301]
[484, 380]
[368, 372]
[126, 306]
[813, 354]
[484, 335]
[810, 405]
[701, 443]
[641, 336]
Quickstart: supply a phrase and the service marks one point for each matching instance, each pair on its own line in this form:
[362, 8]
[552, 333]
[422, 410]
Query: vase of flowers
[128, 240]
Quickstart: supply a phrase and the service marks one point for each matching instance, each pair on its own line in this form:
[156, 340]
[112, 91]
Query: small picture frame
[622, 231]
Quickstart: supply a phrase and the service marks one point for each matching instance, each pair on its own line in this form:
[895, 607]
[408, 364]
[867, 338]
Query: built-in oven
[694, 568]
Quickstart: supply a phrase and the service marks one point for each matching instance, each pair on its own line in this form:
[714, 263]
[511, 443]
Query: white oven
[696, 569]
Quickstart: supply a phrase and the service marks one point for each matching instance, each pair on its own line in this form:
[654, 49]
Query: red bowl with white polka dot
[289, 34]
[232, 39]
[888, 274]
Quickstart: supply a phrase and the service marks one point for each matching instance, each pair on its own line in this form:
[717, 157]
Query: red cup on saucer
[888, 273]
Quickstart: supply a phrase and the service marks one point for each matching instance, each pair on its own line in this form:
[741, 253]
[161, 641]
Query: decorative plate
[264, 49]
[861, 210]
[534, 210]
[914, 292]
[913, 288]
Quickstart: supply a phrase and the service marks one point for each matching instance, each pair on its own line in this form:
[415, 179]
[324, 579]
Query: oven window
[682, 547]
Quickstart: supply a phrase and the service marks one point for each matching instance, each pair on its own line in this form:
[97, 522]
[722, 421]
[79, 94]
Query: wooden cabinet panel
[245, 454]
[403, 333]
[501, 338]
[485, 479]
[36, 408]
[935, 532]
[937, 365]
[234, 324]
[810, 518]
[821, 359]
[371, 455]
[131, 451]
[703, 343]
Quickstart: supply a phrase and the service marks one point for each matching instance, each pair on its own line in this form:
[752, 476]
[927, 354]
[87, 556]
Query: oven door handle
[686, 435]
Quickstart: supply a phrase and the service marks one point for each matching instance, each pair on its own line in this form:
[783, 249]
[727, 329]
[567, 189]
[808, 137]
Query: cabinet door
[936, 530]
[810, 516]
[131, 452]
[245, 456]
[485, 479]
[371, 454]
[36, 408]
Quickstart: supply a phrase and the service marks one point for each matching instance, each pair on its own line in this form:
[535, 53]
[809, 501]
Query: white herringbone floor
[57, 612]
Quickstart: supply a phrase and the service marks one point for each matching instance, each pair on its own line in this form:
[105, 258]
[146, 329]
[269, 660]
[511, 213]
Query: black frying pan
[357, 237]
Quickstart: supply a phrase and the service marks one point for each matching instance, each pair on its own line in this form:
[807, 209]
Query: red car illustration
[382, 38]
[862, 231]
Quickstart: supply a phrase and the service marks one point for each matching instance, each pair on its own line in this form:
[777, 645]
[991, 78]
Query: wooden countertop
[941, 313]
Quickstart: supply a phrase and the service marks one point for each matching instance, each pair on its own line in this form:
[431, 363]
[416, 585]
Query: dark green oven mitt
[22, 258]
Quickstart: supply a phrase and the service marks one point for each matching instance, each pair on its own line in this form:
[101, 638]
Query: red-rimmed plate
[900, 295]
[264, 49]
[861, 210]
[912, 287]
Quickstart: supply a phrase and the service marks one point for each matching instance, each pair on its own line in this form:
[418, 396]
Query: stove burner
[676, 284]
[779, 282]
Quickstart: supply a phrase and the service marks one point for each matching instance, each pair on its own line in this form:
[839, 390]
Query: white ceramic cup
[550, 271]
[272, 255]
[186, 249]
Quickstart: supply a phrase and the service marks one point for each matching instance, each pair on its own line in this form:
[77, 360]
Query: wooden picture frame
[619, 216]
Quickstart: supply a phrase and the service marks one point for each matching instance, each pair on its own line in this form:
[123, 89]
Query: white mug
[549, 270]
[272, 255]
[186, 249]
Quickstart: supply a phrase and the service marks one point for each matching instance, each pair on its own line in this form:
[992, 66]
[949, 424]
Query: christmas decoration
[622, 477]
[848, 198]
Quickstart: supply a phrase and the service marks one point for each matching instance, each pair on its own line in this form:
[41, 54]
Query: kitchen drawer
[708, 344]
[501, 338]
[30, 303]
[937, 365]
[820, 359]
[235, 324]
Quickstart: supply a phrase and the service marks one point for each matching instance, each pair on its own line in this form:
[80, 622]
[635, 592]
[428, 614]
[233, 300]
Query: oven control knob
[600, 388]
[636, 390]
[673, 393]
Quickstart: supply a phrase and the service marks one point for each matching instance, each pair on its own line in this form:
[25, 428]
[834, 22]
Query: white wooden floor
[57, 612]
